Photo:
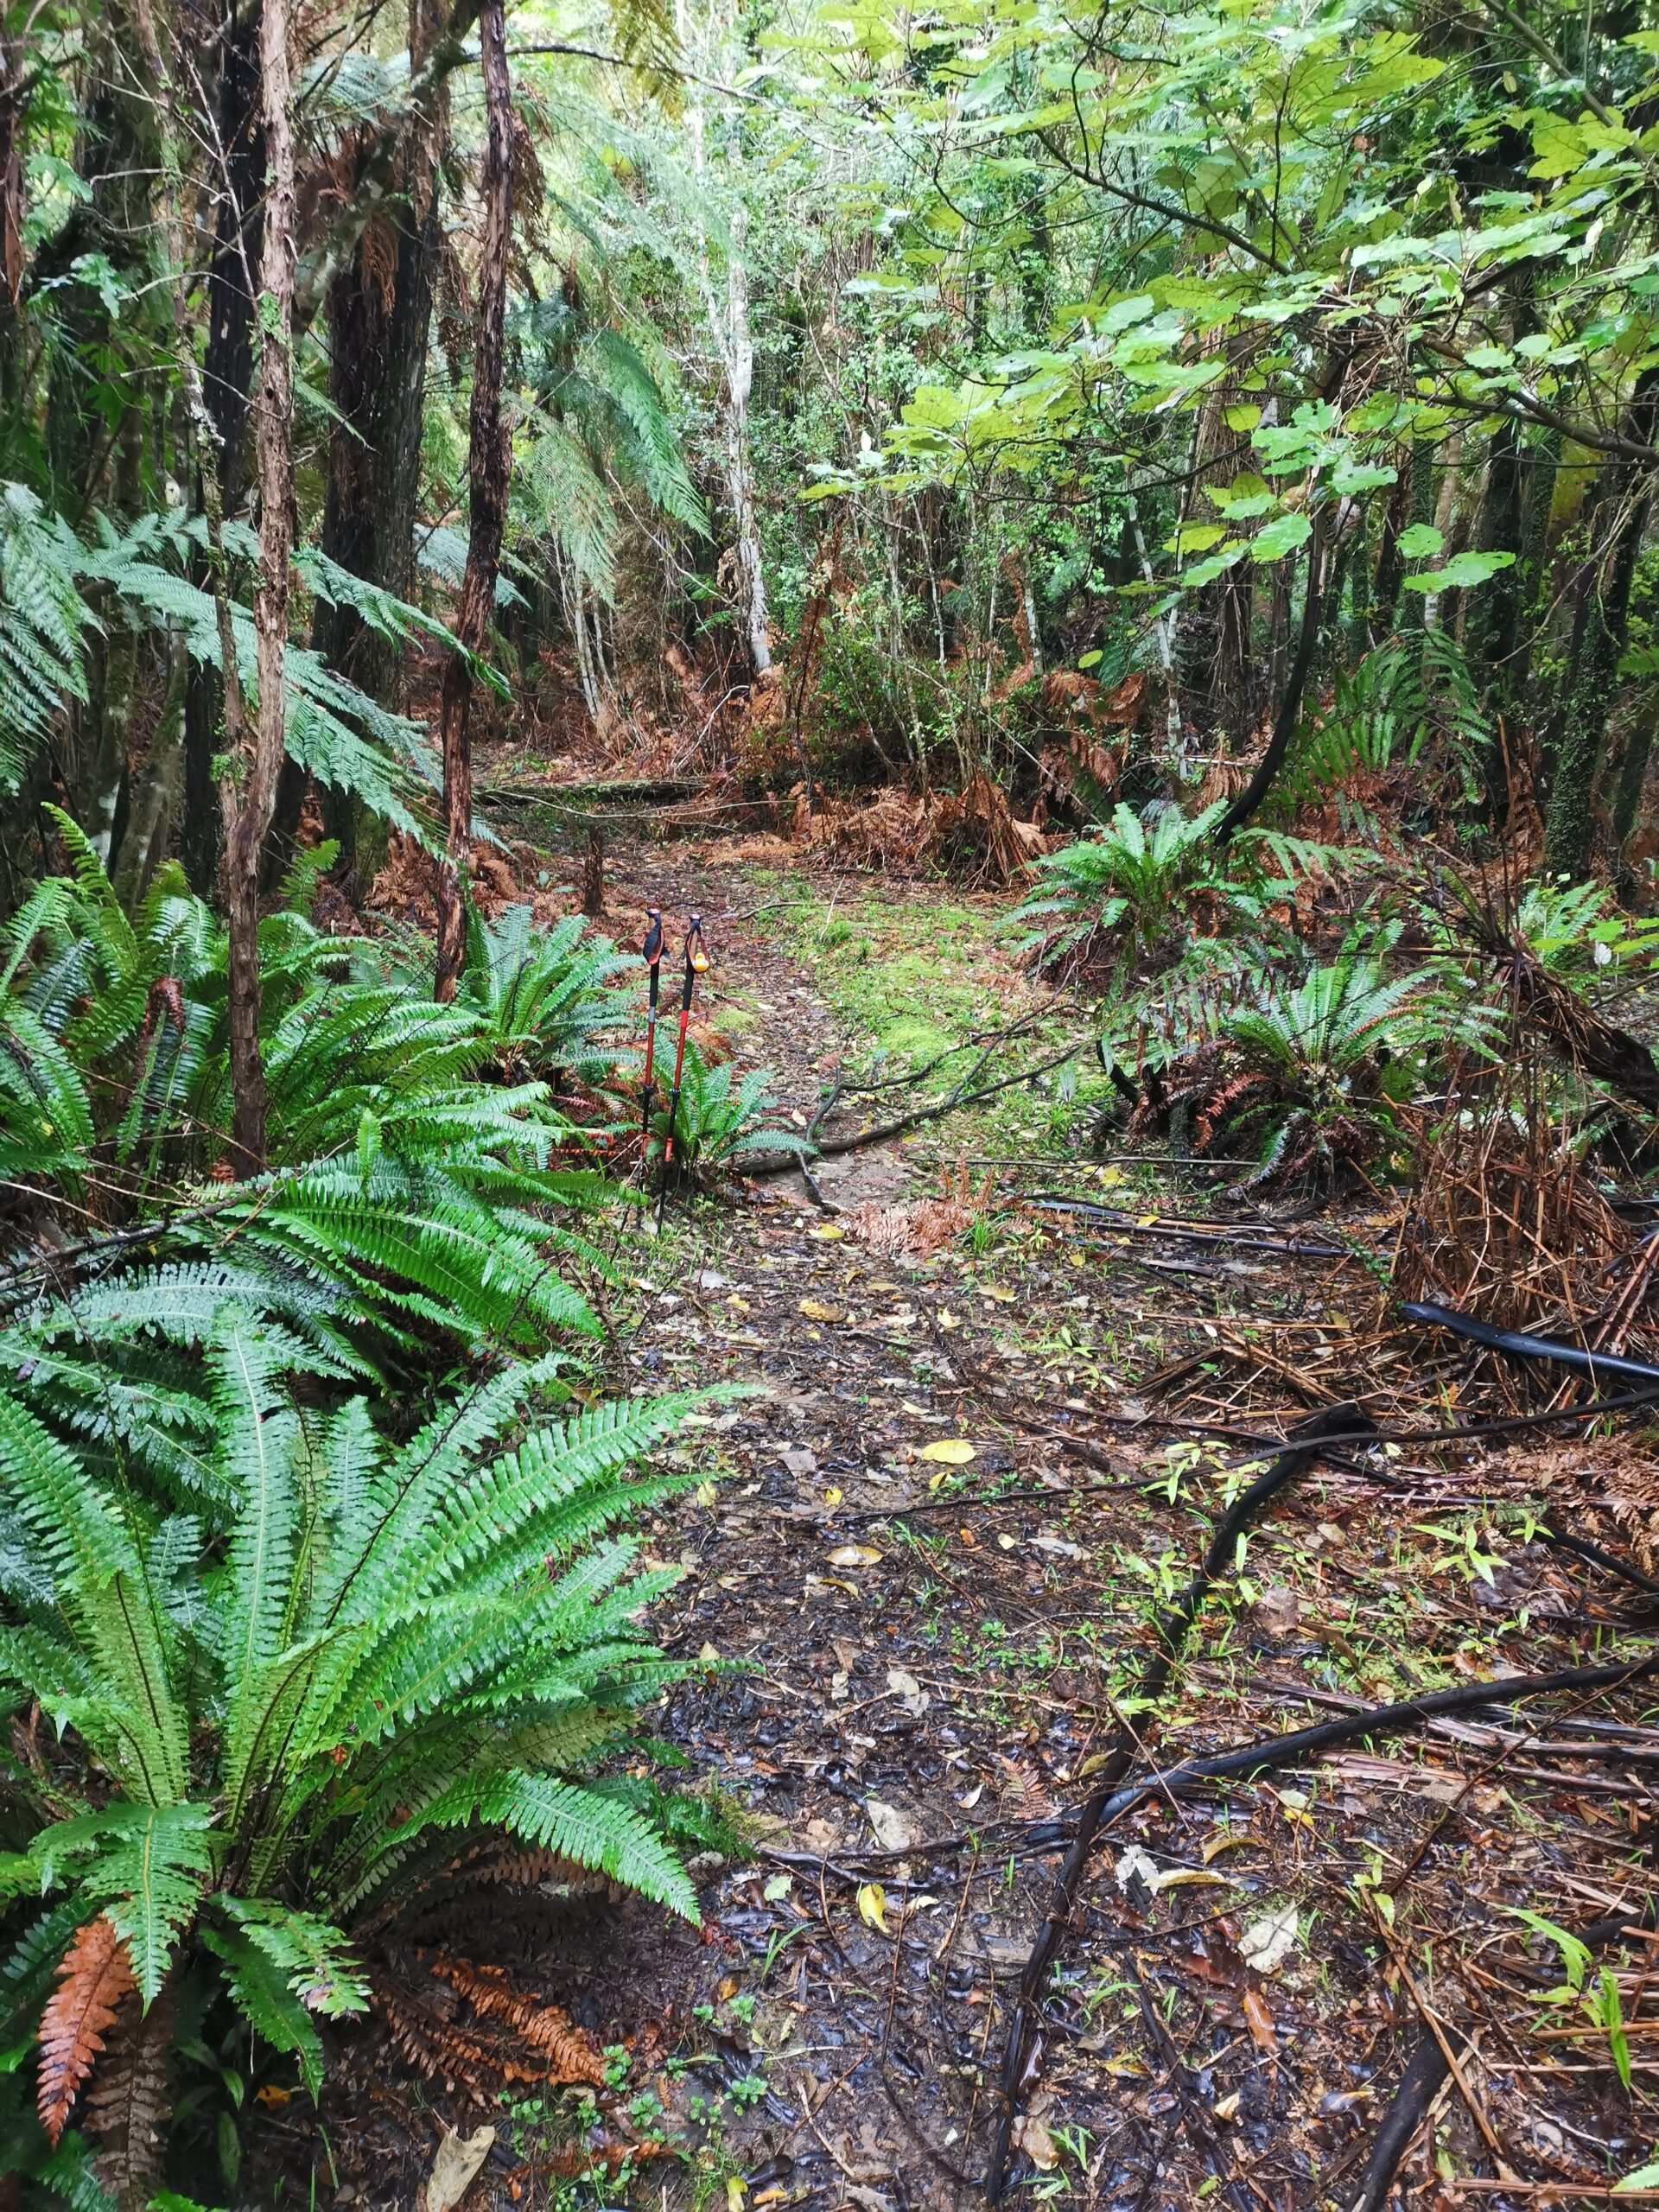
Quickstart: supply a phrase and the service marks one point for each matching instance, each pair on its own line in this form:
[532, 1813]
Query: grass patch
[916, 980]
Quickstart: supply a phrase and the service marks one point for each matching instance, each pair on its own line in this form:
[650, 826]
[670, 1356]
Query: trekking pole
[652, 950]
[697, 961]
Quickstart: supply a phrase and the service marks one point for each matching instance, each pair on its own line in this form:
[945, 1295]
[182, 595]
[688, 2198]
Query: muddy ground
[916, 1660]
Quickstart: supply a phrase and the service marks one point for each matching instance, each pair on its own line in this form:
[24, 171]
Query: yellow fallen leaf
[1227, 2107]
[1147, 1221]
[996, 1290]
[854, 1555]
[737, 2191]
[708, 1656]
[1218, 1844]
[739, 1305]
[815, 1310]
[947, 1320]
[872, 1907]
[1093, 1764]
[705, 1493]
[827, 1234]
[1189, 1878]
[951, 1449]
[1030, 2136]
[832, 1495]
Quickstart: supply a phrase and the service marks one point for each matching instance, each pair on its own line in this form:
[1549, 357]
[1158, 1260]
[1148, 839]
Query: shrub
[720, 1122]
[1139, 878]
[273, 1715]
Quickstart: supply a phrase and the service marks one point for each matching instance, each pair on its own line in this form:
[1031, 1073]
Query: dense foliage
[1201, 457]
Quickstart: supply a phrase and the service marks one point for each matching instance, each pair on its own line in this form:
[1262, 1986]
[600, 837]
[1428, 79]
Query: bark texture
[490, 462]
[1601, 620]
[227, 381]
[248, 810]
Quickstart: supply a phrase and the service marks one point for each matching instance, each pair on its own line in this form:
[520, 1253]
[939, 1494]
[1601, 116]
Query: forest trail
[917, 1653]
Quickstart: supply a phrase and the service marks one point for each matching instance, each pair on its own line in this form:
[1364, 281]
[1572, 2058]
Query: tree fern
[386, 1643]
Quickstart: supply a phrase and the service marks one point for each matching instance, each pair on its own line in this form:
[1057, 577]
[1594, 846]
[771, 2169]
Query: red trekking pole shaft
[696, 959]
[652, 949]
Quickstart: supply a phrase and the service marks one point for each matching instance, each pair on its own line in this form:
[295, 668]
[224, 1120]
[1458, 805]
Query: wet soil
[914, 1663]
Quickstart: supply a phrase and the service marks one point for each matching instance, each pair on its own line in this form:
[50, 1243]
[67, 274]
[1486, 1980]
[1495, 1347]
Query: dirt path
[919, 1655]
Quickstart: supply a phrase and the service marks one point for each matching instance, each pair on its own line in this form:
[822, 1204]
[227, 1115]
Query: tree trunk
[248, 811]
[1493, 624]
[1601, 619]
[228, 380]
[1421, 511]
[1538, 498]
[1290, 704]
[1390, 563]
[379, 312]
[490, 463]
[1632, 779]
[739, 477]
[155, 798]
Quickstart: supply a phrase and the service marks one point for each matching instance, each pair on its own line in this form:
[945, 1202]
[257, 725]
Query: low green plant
[1579, 929]
[1410, 704]
[410, 1191]
[1328, 1056]
[263, 1725]
[545, 996]
[721, 1121]
[1138, 879]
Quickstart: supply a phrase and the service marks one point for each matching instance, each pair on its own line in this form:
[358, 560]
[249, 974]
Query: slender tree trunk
[227, 381]
[1602, 617]
[1390, 563]
[1421, 511]
[740, 476]
[1538, 498]
[248, 810]
[1290, 704]
[1493, 624]
[1632, 779]
[490, 462]
[156, 795]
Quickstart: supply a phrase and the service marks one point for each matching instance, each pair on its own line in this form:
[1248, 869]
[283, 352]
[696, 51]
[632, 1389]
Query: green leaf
[1462, 572]
[1282, 536]
[1420, 539]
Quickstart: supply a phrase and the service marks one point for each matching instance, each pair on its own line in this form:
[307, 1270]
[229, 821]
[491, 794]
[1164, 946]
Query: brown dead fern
[94, 1975]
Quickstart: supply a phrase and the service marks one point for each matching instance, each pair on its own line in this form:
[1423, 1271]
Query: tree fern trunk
[130, 2100]
[227, 382]
[490, 462]
[248, 812]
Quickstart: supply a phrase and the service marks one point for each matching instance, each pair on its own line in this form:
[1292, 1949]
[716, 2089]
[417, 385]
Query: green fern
[719, 1123]
[367, 1646]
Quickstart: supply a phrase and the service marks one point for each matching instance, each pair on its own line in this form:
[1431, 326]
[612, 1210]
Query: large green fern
[269, 1713]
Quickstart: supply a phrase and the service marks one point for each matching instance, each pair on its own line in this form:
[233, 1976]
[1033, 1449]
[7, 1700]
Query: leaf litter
[881, 1648]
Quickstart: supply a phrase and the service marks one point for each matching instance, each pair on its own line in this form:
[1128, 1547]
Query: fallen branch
[1516, 1345]
[1376, 1720]
[1426, 2070]
[1118, 1224]
[1171, 1634]
[883, 1130]
[1381, 1721]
